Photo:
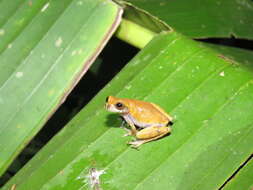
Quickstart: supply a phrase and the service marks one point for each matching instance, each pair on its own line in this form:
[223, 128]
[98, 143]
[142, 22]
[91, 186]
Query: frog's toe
[136, 144]
[127, 134]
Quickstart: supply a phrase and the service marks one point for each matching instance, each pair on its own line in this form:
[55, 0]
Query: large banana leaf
[46, 46]
[210, 98]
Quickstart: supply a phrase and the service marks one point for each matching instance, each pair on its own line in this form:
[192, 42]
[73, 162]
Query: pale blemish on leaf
[61, 172]
[245, 3]
[19, 126]
[13, 187]
[146, 57]
[80, 51]
[2, 32]
[45, 7]
[20, 22]
[19, 74]
[79, 3]
[128, 87]
[58, 42]
[73, 53]
[203, 26]
[51, 92]
[222, 74]
[9, 46]
[136, 62]
[92, 179]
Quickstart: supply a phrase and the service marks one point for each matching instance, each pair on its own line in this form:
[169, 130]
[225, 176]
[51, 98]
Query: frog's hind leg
[149, 134]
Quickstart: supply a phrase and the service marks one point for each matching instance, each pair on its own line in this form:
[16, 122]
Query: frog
[147, 121]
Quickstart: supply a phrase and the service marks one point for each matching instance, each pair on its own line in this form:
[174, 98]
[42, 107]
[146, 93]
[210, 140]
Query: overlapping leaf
[203, 18]
[46, 46]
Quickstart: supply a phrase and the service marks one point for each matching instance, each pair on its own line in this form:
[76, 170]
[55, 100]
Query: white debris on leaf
[58, 42]
[19, 74]
[73, 53]
[222, 74]
[79, 3]
[128, 87]
[2, 31]
[45, 7]
[92, 179]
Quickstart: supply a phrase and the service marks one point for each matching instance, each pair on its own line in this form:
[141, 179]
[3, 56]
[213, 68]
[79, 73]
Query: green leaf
[243, 179]
[210, 98]
[231, 53]
[46, 47]
[201, 19]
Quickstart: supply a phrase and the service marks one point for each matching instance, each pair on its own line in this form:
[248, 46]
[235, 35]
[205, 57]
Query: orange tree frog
[147, 121]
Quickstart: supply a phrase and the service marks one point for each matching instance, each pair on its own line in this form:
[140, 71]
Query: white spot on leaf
[45, 7]
[128, 87]
[79, 3]
[73, 53]
[222, 74]
[19, 74]
[58, 42]
[80, 51]
[92, 179]
[2, 31]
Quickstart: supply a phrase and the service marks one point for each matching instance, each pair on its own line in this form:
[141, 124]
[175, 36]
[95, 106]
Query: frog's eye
[119, 105]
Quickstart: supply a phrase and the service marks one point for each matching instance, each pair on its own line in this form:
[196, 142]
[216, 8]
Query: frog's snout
[109, 107]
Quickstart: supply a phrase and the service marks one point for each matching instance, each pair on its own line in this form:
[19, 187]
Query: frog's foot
[137, 143]
[129, 133]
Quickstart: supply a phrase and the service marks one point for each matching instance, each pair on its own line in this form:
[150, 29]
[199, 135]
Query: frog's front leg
[133, 130]
[149, 134]
[128, 131]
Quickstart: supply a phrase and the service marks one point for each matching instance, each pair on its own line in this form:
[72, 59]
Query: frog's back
[148, 113]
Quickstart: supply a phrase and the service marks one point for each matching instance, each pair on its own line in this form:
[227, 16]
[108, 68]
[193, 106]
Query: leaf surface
[210, 98]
